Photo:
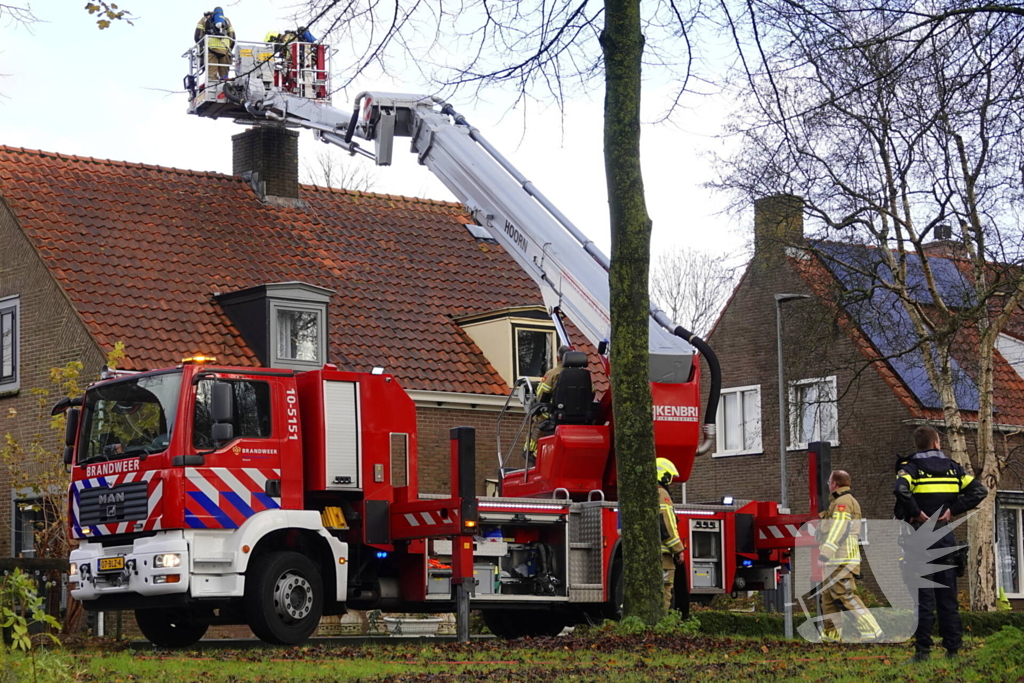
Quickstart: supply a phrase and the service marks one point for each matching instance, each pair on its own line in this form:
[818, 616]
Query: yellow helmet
[666, 471]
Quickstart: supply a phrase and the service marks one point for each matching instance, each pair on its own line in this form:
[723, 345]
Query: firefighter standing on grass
[839, 557]
[671, 546]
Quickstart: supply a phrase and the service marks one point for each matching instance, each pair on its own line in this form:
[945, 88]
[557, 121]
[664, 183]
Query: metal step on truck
[204, 494]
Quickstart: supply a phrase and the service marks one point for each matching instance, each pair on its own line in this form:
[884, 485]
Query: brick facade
[271, 155]
[874, 424]
[51, 334]
[433, 425]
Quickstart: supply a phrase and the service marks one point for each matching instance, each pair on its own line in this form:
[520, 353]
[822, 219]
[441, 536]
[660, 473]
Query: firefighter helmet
[666, 471]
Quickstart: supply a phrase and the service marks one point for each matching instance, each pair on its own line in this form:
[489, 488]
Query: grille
[124, 503]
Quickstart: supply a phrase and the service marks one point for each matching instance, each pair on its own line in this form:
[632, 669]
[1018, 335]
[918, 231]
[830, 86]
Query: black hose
[352, 124]
[711, 411]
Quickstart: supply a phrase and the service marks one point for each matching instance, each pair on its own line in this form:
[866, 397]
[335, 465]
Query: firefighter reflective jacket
[929, 480]
[222, 40]
[840, 531]
[546, 388]
[670, 542]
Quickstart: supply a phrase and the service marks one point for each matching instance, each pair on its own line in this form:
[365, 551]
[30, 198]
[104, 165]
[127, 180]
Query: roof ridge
[112, 162]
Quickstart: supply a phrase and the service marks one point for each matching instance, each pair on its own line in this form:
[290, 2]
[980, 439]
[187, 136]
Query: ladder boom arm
[570, 270]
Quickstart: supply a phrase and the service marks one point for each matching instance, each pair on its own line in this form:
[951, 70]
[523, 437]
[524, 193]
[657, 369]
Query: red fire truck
[204, 494]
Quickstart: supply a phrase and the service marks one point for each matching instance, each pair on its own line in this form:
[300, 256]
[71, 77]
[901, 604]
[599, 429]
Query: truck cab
[182, 478]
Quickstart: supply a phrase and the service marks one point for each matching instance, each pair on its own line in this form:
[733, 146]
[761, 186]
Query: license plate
[111, 564]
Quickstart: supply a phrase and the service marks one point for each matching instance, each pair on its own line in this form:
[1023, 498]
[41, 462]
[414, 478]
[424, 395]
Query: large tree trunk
[623, 44]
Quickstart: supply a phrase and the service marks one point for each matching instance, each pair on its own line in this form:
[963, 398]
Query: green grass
[598, 657]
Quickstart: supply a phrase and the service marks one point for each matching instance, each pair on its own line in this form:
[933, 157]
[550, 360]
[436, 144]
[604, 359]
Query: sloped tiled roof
[141, 250]
[1008, 396]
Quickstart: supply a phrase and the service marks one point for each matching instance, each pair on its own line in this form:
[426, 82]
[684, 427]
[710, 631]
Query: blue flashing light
[381, 554]
[748, 563]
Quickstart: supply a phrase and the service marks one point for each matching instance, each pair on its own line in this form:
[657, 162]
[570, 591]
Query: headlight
[73, 569]
[167, 560]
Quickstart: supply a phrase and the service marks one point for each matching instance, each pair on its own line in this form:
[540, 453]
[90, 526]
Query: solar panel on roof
[881, 316]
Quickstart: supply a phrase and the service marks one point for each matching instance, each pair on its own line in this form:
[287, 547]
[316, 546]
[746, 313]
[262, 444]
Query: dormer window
[518, 342]
[285, 323]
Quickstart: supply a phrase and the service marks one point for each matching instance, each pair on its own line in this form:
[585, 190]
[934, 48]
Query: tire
[509, 624]
[503, 623]
[170, 628]
[284, 598]
[617, 584]
[681, 592]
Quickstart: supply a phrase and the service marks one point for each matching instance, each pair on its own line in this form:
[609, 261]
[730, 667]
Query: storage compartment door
[341, 435]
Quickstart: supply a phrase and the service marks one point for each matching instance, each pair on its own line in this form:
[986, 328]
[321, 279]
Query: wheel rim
[293, 597]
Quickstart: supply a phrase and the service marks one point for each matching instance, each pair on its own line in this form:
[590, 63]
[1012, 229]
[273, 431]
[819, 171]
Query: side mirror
[222, 432]
[222, 403]
[71, 426]
[73, 419]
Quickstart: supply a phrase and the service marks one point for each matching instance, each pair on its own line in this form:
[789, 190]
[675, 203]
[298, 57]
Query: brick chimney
[268, 157]
[778, 222]
[944, 244]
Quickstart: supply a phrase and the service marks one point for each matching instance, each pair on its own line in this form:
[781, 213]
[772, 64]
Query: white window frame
[1019, 510]
[279, 361]
[794, 413]
[8, 304]
[720, 449]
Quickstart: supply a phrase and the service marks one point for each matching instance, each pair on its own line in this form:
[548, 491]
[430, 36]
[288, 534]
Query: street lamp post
[784, 497]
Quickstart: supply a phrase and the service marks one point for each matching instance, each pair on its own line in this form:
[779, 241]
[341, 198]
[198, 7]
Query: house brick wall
[51, 335]
[871, 419]
[434, 425]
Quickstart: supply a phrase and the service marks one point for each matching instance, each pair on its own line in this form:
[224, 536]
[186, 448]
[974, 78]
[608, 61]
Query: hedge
[979, 624]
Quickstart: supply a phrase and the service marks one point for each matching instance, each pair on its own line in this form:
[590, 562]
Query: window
[252, 411]
[533, 351]
[399, 459]
[1008, 534]
[129, 418]
[298, 335]
[813, 412]
[9, 310]
[35, 518]
[739, 421]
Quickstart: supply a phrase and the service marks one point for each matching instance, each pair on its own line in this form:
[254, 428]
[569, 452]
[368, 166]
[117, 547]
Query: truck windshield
[129, 418]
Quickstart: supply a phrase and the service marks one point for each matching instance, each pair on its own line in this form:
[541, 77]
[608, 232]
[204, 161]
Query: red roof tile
[141, 250]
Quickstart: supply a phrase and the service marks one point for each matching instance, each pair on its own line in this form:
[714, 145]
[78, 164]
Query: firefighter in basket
[220, 43]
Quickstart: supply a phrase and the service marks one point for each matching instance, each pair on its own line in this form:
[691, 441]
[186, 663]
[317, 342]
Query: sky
[68, 87]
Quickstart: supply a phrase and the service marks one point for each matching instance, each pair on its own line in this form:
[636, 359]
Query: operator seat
[573, 400]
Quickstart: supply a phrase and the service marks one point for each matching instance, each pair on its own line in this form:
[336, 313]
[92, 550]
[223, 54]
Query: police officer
[671, 546]
[220, 44]
[929, 484]
[839, 554]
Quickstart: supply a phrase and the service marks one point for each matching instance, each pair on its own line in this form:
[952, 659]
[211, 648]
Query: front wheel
[170, 628]
[284, 598]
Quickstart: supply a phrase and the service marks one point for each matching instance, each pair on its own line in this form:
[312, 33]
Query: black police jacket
[929, 481]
